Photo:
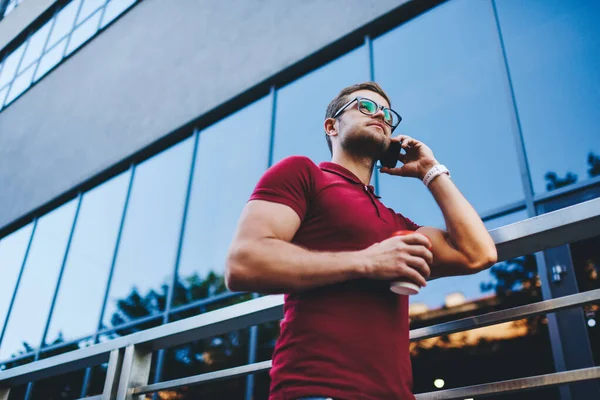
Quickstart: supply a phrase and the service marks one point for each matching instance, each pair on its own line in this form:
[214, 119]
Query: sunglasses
[369, 107]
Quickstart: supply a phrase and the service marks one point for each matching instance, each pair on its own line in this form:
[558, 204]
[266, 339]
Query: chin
[366, 144]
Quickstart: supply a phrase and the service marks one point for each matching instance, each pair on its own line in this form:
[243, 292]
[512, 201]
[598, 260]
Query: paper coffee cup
[404, 287]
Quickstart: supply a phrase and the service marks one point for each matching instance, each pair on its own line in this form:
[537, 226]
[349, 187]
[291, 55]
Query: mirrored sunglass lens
[388, 115]
[367, 106]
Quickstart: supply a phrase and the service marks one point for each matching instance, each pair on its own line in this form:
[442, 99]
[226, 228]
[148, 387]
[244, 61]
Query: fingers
[422, 252]
[412, 272]
[420, 265]
[415, 239]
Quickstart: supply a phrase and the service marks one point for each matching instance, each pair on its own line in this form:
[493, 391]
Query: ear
[330, 127]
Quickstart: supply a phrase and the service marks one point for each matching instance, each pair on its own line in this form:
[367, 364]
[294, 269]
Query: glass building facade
[505, 92]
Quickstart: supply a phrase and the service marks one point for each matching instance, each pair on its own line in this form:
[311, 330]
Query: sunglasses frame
[382, 108]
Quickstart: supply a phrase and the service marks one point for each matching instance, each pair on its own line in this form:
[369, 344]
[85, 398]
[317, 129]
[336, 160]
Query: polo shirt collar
[344, 173]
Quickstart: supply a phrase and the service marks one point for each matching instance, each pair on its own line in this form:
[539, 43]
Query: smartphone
[389, 158]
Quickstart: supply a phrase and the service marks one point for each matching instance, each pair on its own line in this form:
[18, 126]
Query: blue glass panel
[30, 311]
[20, 84]
[301, 106]
[83, 32]
[219, 194]
[87, 8]
[12, 252]
[445, 76]
[114, 8]
[553, 54]
[83, 285]
[10, 65]
[146, 255]
[506, 219]
[50, 59]
[3, 93]
[65, 20]
[35, 45]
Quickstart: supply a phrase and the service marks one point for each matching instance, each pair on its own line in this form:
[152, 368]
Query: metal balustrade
[129, 357]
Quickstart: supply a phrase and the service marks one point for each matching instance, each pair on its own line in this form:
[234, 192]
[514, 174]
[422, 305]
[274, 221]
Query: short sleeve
[289, 182]
[408, 224]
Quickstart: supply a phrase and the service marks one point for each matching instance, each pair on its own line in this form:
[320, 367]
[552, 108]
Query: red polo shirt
[350, 340]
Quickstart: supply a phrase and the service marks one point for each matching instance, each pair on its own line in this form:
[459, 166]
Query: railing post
[4, 393]
[134, 372]
[111, 384]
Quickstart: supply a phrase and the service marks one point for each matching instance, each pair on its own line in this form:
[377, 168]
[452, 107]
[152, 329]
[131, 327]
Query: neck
[362, 167]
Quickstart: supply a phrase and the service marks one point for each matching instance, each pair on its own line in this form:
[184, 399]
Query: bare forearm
[270, 265]
[466, 230]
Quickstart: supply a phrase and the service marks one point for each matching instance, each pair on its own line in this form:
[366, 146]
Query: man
[321, 235]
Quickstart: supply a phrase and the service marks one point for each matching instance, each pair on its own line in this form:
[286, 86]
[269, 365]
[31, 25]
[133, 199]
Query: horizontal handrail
[513, 385]
[529, 310]
[206, 377]
[566, 225]
[510, 314]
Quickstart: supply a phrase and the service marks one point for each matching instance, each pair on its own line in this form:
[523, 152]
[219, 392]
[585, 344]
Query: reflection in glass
[20, 84]
[84, 32]
[10, 65]
[448, 82]
[67, 387]
[36, 45]
[553, 55]
[585, 255]
[207, 355]
[83, 284]
[147, 251]
[64, 22]
[301, 106]
[12, 253]
[50, 59]
[87, 8]
[114, 8]
[240, 157]
[30, 310]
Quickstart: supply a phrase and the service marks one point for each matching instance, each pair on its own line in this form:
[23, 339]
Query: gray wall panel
[161, 65]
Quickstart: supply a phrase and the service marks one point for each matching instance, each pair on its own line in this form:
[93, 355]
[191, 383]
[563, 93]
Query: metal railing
[129, 357]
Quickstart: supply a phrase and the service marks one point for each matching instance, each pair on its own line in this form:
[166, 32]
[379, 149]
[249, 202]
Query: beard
[364, 144]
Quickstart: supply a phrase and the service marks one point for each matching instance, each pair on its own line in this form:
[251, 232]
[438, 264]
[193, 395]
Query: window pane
[84, 32]
[36, 45]
[50, 59]
[83, 285]
[88, 8]
[20, 84]
[214, 207]
[32, 303]
[506, 220]
[146, 255]
[3, 95]
[301, 106]
[445, 76]
[114, 8]
[64, 22]
[12, 251]
[64, 387]
[553, 54]
[10, 65]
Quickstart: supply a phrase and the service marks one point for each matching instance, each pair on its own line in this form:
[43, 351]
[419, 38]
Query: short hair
[342, 98]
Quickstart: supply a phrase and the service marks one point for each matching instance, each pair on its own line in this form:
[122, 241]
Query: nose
[379, 114]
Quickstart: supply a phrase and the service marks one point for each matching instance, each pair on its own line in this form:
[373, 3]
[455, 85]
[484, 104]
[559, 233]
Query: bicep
[444, 252]
[265, 219]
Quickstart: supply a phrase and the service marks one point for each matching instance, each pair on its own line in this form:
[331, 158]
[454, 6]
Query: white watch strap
[434, 172]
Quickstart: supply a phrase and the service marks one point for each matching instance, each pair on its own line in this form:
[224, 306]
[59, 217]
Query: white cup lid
[402, 287]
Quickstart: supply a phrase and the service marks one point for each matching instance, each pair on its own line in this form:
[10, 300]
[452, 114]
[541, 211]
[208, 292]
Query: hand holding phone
[389, 158]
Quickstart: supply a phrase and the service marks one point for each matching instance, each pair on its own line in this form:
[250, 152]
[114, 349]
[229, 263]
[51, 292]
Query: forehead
[376, 97]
